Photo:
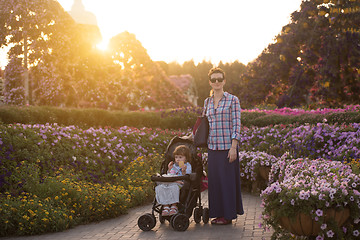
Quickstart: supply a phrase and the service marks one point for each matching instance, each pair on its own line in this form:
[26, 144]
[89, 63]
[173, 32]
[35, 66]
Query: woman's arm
[232, 155]
[235, 134]
[236, 119]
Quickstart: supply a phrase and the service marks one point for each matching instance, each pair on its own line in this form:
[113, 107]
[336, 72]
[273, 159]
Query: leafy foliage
[314, 60]
[66, 69]
[178, 118]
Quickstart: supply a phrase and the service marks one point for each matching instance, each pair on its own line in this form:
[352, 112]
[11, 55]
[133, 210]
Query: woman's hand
[232, 154]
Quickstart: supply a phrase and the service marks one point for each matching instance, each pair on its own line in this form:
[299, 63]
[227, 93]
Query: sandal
[165, 211]
[221, 221]
[214, 220]
[173, 210]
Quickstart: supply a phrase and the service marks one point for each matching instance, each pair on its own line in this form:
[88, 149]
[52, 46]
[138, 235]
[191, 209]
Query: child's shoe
[173, 210]
[165, 211]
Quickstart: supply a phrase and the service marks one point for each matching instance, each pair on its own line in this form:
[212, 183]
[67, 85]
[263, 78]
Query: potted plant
[255, 168]
[317, 198]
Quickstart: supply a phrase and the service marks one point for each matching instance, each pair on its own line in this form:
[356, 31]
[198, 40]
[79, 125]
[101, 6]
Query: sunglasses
[213, 80]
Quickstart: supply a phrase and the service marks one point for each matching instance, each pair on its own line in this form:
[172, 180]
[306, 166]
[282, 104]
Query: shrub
[182, 118]
[53, 177]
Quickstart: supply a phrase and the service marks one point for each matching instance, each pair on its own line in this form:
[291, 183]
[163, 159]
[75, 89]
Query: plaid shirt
[224, 121]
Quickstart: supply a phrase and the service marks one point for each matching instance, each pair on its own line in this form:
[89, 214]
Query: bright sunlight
[103, 45]
[199, 30]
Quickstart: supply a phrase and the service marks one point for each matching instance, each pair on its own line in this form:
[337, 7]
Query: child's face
[180, 158]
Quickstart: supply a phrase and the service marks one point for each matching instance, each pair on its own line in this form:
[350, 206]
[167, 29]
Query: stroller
[190, 193]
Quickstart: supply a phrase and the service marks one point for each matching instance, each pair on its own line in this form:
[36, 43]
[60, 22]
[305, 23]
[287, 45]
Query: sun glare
[182, 39]
[103, 45]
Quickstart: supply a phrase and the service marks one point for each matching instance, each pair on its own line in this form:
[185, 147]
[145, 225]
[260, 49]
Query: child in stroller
[190, 193]
[168, 193]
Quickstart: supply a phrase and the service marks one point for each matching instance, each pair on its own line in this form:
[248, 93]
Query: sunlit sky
[181, 30]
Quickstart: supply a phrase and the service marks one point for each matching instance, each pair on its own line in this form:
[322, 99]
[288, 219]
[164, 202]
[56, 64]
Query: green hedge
[167, 119]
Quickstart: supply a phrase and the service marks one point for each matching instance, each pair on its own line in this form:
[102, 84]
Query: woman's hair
[184, 151]
[216, 70]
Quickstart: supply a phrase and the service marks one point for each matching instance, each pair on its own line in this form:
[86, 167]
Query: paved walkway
[125, 227]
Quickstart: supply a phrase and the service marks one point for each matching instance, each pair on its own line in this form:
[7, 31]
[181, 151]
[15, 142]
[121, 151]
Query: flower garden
[312, 187]
[55, 177]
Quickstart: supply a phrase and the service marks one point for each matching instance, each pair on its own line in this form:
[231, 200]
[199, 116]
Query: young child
[167, 194]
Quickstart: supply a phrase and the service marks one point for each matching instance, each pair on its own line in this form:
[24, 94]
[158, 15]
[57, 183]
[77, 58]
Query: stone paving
[125, 227]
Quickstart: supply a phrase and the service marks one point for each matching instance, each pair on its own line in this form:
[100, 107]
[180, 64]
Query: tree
[200, 72]
[13, 86]
[147, 85]
[30, 28]
[69, 74]
[60, 54]
[314, 59]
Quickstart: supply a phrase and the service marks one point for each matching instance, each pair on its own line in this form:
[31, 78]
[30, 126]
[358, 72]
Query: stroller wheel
[197, 215]
[147, 222]
[205, 215]
[180, 222]
[172, 220]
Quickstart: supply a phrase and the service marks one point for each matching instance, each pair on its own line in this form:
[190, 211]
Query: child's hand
[183, 169]
[170, 165]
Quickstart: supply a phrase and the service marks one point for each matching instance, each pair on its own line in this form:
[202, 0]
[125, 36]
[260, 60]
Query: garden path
[125, 227]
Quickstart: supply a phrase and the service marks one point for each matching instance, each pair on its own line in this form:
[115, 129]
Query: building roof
[184, 81]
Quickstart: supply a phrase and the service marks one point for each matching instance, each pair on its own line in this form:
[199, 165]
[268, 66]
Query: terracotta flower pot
[264, 172]
[340, 217]
[304, 225]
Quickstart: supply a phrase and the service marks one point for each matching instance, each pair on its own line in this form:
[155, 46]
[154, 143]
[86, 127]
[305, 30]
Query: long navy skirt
[224, 190]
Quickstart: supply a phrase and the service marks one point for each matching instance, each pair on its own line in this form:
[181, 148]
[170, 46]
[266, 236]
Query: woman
[223, 112]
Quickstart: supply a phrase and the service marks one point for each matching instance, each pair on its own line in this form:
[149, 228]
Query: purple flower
[330, 233]
[319, 212]
[356, 233]
[319, 238]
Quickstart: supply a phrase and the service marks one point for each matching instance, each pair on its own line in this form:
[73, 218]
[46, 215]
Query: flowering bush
[312, 187]
[62, 201]
[355, 165]
[295, 111]
[250, 162]
[95, 153]
[54, 177]
[336, 142]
